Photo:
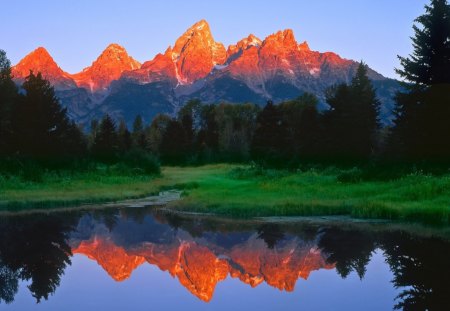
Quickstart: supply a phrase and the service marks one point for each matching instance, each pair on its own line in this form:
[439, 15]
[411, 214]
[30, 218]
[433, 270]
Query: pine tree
[41, 126]
[174, 145]
[189, 116]
[8, 96]
[138, 135]
[106, 142]
[124, 137]
[422, 130]
[430, 62]
[352, 119]
[155, 132]
[269, 140]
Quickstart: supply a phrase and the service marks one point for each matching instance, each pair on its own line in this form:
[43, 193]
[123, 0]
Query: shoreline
[235, 191]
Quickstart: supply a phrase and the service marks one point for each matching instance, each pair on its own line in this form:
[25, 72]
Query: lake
[147, 259]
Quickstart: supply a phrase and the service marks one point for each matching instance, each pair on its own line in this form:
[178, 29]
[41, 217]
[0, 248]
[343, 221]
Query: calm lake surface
[144, 259]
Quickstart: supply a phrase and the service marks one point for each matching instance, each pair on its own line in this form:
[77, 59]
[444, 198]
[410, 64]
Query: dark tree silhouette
[350, 250]
[302, 125]
[208, 136]
[271, 234]
[430, 62]
[175, 144]
[123, 137]
[352, 120]
[155, 133]
[41, 126]
[138, 135]
[269, 141]
[8, 96]
[422, 130]
[106, 141]
[421, 271]
[189, 117]
[9, 283]
[34, 248]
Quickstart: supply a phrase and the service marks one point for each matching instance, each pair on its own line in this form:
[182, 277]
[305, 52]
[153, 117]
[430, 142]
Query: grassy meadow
[246, 191]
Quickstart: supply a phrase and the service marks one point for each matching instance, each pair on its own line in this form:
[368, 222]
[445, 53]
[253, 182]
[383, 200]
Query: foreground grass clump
[253, 191]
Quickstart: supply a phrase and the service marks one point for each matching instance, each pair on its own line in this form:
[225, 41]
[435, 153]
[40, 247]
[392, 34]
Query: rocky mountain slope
[197, 66]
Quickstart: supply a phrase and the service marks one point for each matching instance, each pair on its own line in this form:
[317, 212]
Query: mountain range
[197, 66]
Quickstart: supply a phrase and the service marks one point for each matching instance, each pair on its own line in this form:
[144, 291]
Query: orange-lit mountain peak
[304, 46]
[278, 267]
[199, 270]
[109, 66]
[41, 61]
[196, 52]
[196, 267]
[244, 44]
[114, 259]
[282, 39]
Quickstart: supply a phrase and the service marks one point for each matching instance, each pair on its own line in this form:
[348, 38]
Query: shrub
[139, 161]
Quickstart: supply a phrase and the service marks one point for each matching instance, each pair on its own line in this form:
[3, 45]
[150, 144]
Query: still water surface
[142, 259]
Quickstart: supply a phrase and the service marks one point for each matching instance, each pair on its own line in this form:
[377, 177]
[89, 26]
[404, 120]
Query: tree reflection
[271, 234]
[9, 283]
[33, 248]
[350, 250]
[420, 265]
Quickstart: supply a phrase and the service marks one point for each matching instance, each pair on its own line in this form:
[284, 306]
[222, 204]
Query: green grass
[245, 191]
[225, 189]
[69, 189]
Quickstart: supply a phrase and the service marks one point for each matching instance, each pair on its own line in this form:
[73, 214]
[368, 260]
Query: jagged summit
[196, 53]
[244, 44]
[41, 61]
[109, 66]
[283, 38]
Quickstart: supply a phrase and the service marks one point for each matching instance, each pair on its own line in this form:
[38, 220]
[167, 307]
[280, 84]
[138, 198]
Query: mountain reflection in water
[201, 252]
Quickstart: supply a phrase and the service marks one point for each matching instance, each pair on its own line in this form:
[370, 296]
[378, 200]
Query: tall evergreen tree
[106, 142]
[302, 123]
[155, 132]
[189, 116]
[429, 64]
[208, 135]
[352, 119]
[8, 96]
[138, 135]
[175, 145]
[41, 126]
[422, 130]
[123, 137]
[269, 140]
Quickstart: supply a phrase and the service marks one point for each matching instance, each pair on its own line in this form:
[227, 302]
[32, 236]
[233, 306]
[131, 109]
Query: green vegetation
[35, 185]
[246, 191]
[253, 191]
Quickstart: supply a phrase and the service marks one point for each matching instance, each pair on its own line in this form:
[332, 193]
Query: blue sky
[75, 32]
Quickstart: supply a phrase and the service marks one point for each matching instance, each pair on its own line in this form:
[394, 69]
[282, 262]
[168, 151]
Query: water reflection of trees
[350, 250]
[34, 248]
[419, 265]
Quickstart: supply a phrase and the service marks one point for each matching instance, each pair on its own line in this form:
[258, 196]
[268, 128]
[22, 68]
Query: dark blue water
[139, 259]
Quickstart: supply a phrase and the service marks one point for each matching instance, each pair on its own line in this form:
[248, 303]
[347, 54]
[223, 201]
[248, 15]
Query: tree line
[33, 123]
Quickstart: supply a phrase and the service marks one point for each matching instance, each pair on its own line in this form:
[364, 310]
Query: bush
[140, 162]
